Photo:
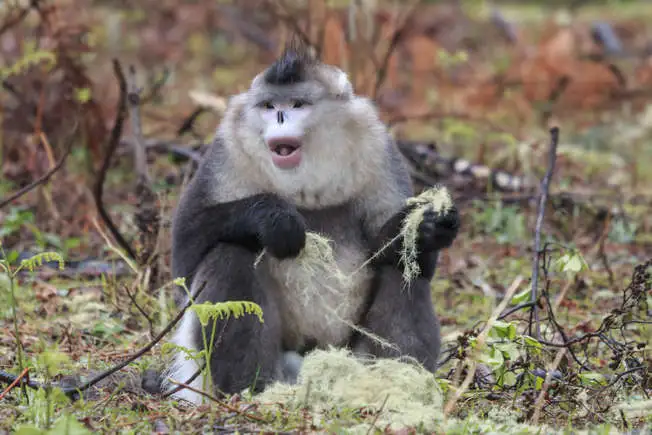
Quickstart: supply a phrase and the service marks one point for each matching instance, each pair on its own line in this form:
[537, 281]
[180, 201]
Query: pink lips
[286, 152]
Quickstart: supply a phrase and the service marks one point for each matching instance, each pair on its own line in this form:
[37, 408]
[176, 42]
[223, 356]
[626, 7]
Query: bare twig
[396, 37]
[14, 21]
[147, 214]
[480, 340]
[380, 410]
[545, 186]
[546, 383]
[45, 177]
[73, 392]
[220, 403]
[15, 382]
[142, 311]
[114, 140]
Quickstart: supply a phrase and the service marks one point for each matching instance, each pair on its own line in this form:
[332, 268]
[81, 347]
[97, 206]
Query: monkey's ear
[337, 81]
[234, 113]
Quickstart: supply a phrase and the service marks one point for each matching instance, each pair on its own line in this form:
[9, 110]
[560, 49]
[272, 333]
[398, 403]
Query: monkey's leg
[405, 318]
[245, 352]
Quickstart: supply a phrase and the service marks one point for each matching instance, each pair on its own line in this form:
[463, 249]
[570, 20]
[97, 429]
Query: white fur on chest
[317, 304]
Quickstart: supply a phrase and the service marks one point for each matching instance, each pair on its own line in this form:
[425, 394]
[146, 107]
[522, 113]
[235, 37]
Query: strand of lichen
[441, 202]
[318, 255]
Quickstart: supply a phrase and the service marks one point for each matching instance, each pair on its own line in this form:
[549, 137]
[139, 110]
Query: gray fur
[351, 187]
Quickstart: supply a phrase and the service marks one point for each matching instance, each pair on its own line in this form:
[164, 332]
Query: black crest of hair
[291, 67]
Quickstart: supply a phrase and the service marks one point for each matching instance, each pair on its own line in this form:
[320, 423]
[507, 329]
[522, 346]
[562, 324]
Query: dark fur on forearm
[436, 232]
[256, 222]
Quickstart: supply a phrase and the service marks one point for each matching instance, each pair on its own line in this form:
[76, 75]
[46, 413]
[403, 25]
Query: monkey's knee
[405, 317]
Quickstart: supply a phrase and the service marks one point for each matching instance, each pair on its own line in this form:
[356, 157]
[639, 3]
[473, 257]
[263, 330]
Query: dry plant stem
[45, 177]
[147, 214]
[133, 357]
[142, 311]
[373, 423]
[114, 140]
[11, 22]
[219, 402]
[479, 343]
[562, 295]
[133, 104]
[14, 383]
[539, 403]
[545, 187]
[73, 392]
[396, 37]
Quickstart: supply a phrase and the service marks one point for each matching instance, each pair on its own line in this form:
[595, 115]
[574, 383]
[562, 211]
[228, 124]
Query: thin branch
[73, 392]
[545, 186]
[114, 140]
[546, 383]
[142, 311]
[11, 22]
[147, 216]
[396, 37]
[15, 382]
[45, 177]
[220, 403]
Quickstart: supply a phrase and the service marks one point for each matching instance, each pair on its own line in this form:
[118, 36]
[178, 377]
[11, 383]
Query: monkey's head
[310, 137]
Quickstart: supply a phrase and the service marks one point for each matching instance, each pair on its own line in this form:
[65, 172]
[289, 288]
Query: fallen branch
[74, 392]
[15, 382]
[147, 216]
[479, 344]
[220, 403]
[114, 140]
[396, 37]
[45, 177]
[545, 186]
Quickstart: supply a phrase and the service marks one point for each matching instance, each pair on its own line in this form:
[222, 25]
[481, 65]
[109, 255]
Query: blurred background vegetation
[482, 80]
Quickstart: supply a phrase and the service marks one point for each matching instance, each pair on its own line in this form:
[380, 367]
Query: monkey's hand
[283, 230]
[437, 230]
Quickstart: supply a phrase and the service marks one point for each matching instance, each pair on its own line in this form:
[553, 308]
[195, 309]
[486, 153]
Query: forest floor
[70, 321]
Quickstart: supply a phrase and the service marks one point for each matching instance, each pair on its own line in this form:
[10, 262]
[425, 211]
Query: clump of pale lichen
[440, 200]
[403, 394]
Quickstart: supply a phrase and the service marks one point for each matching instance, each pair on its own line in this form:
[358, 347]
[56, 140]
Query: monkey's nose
[280, 117]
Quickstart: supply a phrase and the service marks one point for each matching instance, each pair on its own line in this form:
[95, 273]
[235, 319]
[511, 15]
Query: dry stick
[145, 349]
[114, 140]
[17, 19]
[539, 403]
[72, 392]
[471, 364]
[147, 214]
[545, 186]
[142, 311]
[396, 37]
[219, 402]
[14, 383]
[45, 177]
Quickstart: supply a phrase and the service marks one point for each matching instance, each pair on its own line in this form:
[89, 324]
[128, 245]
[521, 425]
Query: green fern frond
[219, 310]
[29, 59]
[37, 260]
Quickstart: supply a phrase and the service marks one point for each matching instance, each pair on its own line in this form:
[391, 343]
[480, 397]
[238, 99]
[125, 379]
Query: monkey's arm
[256, 222]
[436, 232]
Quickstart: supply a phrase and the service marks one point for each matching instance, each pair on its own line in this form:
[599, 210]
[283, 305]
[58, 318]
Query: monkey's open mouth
[286, 152]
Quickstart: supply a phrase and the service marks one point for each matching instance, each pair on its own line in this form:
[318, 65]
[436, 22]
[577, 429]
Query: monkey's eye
[296, 104]
[266, 105]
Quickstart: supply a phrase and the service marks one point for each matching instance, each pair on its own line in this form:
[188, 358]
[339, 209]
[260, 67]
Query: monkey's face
[284, 129]
[311, 140]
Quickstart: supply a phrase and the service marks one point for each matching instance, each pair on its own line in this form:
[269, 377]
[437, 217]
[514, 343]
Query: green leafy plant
[207, 312]
[506, 223]
[48, 361]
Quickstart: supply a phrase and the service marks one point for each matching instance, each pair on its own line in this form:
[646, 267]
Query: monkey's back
[317, 304]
